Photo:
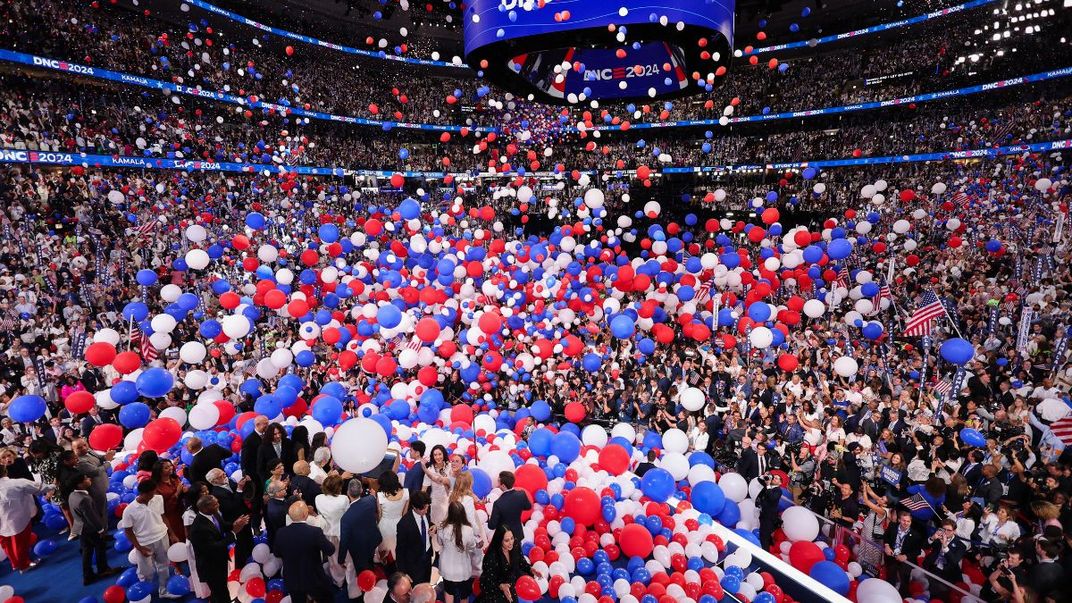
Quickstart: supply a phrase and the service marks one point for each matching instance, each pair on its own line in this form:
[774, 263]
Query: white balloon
[734, 487]
[814, 308]
[196, 233]
[761, 338]
[235, 326]
[675, 441]
[170, 293]
[193, 352]
[163, 323]
[359, 445]
[204, 416]
[177, 553]
[878, 591]
[846, 366]
[799, 523]
[197, 259]
[177, 413]
[693, 399]
[676, 464]
[106, 335]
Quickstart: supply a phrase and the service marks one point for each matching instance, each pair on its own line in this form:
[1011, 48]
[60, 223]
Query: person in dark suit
[753, 463]
[413, 553]
[508, 508]
[204, 460]
[902, 542]
[91, 420]
[211, 536]
[767, 501]
[54, 432]
[251, 446]
[90, 530]
[302, 549]
[972, 469]
[647, 465]
[359, 535]
[414, 479]
[943, 558]
[301, 482]
[275, 510]
[276, 445]
[1047, 578]
[235, 501]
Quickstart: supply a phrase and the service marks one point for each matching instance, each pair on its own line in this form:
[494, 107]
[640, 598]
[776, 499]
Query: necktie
[279, 450]
[424, 533]
[761, 463]
[216, 522]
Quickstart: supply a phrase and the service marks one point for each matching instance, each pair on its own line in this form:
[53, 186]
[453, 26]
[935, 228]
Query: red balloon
[462, 413]
[79, 402]
[275, 299]
[527, 588]
[427, 329]
[788, 362]
[575, 412]
[366, 580]
[126, 362]
[255, 587]
[115, 594]
[803, 555]
[100, 353]
[530, 478]
[582, 504]
[636, 541]
[161, 434]
[106, 436]
[614, 459]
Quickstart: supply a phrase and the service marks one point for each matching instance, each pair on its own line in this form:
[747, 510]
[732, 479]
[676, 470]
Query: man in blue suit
[414, 479]
[302, 548]
[359, 534]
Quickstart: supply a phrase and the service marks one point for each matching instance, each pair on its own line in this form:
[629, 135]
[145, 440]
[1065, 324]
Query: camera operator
[846, 508]
[802, 465]
[819, 495]
[999, 586]
[767, 501]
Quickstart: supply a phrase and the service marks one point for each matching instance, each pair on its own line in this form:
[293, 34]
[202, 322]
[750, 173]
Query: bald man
[303, 549]
[422, 593]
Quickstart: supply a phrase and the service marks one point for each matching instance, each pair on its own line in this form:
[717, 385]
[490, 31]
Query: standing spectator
[946, 551]
[457, 542]
[358, 536]
[275, 446]
[508, 508]
[95, 466]
[251, 447]
[767, 501]
[211, 536]
[171, 489]
[438, 471]
[903, 543]
[393, 501]
[204, 459]
[414, 479]
[303, 548]
[233, 500]
[87, 525]
[301, 482]
[17, 507]
[143, 523]
[1046, 579]
[275, 509]
[331, 504]
[415, 533]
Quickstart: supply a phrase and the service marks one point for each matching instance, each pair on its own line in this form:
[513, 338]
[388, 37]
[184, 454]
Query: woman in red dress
[169, 486]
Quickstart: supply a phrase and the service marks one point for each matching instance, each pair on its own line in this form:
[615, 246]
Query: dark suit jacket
[210, 457]
[413, 556]
[913, 541]
[251, 446]
[951, 570]
[309, 488]
[748, 465]
[267, 453]
[973, 475]
[507, 511]
[1045, 578]
[302, 548]
[88, 424]
[275, 516]
[210, 547]
[233, 504]
[358, 533]
[414, 479]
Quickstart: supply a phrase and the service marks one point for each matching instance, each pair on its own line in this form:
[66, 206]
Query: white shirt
[454, 563]
[146, 521]
[16, 504]
[427, 528]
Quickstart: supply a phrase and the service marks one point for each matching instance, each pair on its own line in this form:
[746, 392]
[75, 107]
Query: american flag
[883, 293]
[703, 292]
[146, 230]
[922, 320]
[1002, 130]
[843, 276]
[916, 502]
[960, 200]
[145, 347]
[1062, 428]
[943, 387]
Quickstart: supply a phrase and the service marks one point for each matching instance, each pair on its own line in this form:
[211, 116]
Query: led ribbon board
[617, 50]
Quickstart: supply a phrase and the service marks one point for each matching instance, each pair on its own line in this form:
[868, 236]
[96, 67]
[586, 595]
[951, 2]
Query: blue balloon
[145, 277]
[540, 410]
[389, 316]
[759, 312]
[134, 415]
[540, 441]
[124, 392]
[328, 233]
[140, 590]
[136, 311]
[731, 583]
[566, 446]
[481, 482]
[839, 249]
[972, 437]
[327, 410]
[44, 548]
[178, 585]
[255, 220]
[957, 351]
[155, 382]
[592, 362]
[707, 497]
[27, 409]
[730, 515]
[657, 484]
[872, 330]
[831, 575]
[622, 326]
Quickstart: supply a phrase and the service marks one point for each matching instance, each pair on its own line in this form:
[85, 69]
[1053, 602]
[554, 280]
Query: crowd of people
[200, 366]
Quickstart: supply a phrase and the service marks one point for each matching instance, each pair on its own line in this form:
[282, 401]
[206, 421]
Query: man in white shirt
[143, 523]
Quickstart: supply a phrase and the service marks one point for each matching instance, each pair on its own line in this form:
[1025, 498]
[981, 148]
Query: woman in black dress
[503, 565]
